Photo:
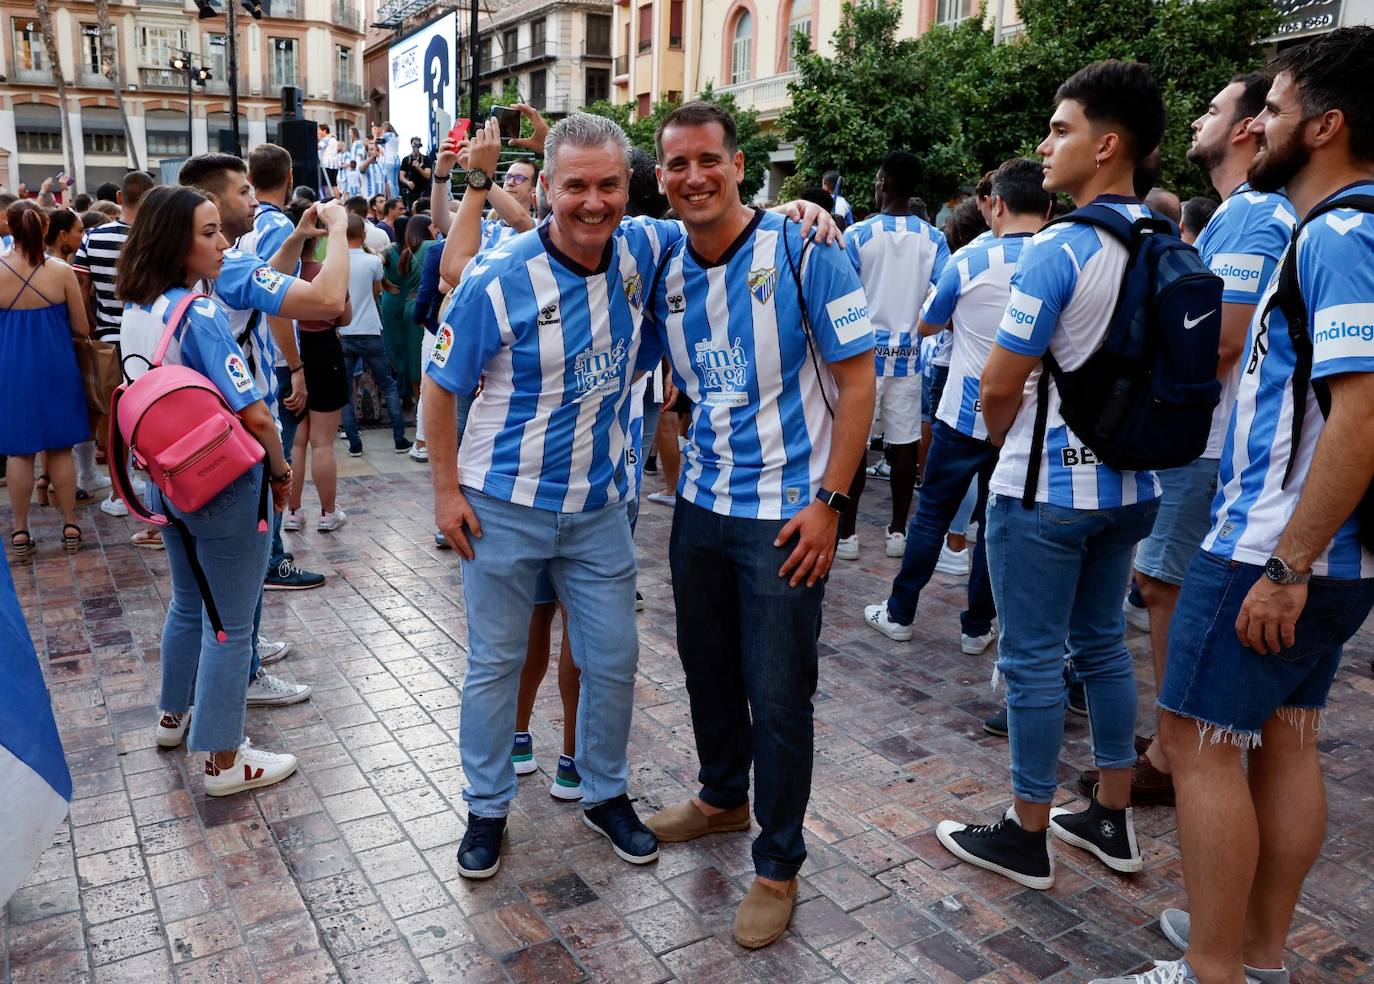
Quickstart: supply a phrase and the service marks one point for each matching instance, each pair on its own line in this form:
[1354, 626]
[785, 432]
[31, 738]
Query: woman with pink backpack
[195, 420]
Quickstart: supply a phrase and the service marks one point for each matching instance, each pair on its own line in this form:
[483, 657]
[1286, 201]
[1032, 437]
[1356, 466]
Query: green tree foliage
[753, 140]
[963, 103]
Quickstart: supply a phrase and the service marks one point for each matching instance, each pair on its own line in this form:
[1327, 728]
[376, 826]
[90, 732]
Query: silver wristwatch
[1278, 571]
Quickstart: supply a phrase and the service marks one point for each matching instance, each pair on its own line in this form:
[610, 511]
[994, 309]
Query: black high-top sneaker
[1004, 847]
[1108, 834]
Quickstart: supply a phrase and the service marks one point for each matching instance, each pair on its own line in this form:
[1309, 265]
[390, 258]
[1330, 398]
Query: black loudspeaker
[299, 140]
[226, 143]
[292, 102]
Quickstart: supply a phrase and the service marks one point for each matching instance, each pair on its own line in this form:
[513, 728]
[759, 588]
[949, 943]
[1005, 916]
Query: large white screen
[424, 78]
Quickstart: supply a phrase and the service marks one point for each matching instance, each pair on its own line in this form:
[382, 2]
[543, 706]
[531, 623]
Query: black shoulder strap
[1287, 297]
[1042, 416]
[244, 340]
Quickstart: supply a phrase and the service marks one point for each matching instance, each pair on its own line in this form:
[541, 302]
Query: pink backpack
[175, 424]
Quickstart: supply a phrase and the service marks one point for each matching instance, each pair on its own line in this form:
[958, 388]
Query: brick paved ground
[346, 871]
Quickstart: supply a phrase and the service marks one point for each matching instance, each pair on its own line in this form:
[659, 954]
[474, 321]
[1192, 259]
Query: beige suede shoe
[683, 823]
[763, 914]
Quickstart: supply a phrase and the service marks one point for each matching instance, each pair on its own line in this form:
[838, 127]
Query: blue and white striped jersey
[1336, 272]
[1241, 244]
[1063, 293]
[495, 232]
[247, 284]
[972, 295]
[760, 431]
[271, 228]
[898, 258]
[557, 346]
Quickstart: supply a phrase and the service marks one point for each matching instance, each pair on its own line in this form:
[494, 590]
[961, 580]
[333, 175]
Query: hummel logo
[1190, 323]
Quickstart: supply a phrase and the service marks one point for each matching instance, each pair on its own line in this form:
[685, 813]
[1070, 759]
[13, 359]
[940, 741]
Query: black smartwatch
[1278, 571]
[837, 501]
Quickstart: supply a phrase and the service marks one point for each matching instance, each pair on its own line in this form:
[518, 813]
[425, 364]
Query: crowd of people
[560, 328]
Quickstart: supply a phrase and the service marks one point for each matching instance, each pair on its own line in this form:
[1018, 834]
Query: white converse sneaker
[267, 690]
[252, 768]
[111, 506]
[896, 544]
[847, 548]
[329, 522]
[977, 645]
[171, 728]
[954, 562]
[418, 453]
[271, 652]
[876, 617]
[290, 520]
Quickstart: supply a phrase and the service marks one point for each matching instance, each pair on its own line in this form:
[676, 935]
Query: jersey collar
[734, 247]
[1341, 191]
[569, 262]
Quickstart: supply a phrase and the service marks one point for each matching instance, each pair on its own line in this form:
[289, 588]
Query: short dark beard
[1276, 166]
[1208, 160]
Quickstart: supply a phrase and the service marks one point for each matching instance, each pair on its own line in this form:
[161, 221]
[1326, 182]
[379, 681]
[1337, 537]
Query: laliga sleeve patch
[849, 315]
[1019, 318]
[238, 373]
[268, 279]
[443, 345]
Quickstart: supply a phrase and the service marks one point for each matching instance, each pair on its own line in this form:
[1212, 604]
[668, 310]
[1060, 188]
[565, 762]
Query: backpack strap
[1287, 297]
[174, 322]
[1037, 448]
[244, 338]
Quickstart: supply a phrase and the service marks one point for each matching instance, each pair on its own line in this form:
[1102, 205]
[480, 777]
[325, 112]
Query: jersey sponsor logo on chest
[724, 373]
[597, 370]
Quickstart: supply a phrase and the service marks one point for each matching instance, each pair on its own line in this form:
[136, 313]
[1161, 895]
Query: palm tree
[109, 58]
[50, 43]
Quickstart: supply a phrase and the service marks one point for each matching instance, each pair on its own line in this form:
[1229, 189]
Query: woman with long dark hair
[174, 244]
[43, 399]
[63, 237]
[401, 265]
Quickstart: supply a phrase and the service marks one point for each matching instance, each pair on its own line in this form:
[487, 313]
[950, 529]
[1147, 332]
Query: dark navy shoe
[286, 576]
[997, 724]
[1078, 700]
[479, 856]
[617, 821]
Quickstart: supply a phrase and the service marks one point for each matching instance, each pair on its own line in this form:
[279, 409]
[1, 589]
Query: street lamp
[195, 75]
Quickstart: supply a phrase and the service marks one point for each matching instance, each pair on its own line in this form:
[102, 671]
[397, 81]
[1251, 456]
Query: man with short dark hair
[392, 209]
[781, 382]
[970, 297]
[1197, 212]
[374, 239]
[1284, 577]
[107, 191]
[830, 181]
[1057, 568]
[898, 257]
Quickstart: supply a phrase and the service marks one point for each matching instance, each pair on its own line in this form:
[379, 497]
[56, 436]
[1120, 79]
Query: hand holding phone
[508, 120]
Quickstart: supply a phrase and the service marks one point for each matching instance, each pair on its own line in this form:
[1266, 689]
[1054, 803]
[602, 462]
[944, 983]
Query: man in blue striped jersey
[898, 257]
[550, 321]
[1057, 566]
[1284, 578]
[1241, 244]
[969, 297]
[769, 337]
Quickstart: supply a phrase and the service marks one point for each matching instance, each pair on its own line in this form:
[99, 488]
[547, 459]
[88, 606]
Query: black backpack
[1145, 398]
[1287, 297]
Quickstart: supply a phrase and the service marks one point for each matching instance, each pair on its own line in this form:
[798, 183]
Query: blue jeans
[358, 349]
[233, 554]
[955, 460]
[289, 421]
[1219, 682]
[591, 560]
[747, 641]
[1057, 575]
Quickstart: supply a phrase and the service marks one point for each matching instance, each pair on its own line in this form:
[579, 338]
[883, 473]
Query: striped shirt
[556, 345]
[972, 294]
[898, 258]
[1063, 293]
[96, 257]
[495, 232]
[760, 432]
[1252, 507]
[1242, 244]
[246, 284]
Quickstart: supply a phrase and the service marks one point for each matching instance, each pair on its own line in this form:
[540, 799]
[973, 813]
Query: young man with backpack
[1061, 523]
[1285, 577]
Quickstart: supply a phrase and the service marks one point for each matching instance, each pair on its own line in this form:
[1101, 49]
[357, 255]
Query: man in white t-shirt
[830, 181]
[361, 339]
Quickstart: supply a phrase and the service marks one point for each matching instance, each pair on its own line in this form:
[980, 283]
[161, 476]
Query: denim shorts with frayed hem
[1185, 516]
[1231, 690]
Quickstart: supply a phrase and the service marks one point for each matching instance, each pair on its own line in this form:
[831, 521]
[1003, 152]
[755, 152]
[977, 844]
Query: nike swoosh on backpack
[1190, 323]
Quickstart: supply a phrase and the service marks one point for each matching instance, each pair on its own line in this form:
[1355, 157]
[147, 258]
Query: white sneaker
[977, 645]
[111, 506]
[252, 768]
[171, 728]
[882, 471]
[876, 616]
[1138, 617]
[663, 498]
[896, 544]
[954, 562]
[329, 522]
[267, 690]
[418, 453]
[96, 483]
[847, 548]
[271, 652]
[290, 520]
